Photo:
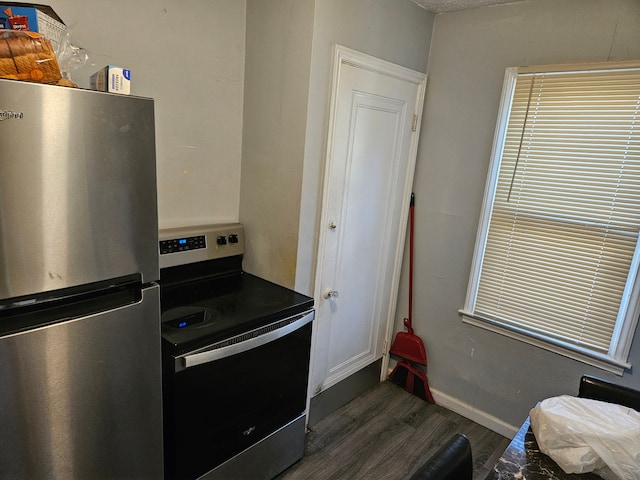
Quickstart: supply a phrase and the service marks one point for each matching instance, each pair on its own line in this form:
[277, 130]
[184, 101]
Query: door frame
[347, 56]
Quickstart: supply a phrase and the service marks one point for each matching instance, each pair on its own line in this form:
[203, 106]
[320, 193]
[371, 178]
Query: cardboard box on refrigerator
[111, 79]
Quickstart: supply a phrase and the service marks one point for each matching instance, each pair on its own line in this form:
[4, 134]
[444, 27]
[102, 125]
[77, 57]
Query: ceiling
[440, 6]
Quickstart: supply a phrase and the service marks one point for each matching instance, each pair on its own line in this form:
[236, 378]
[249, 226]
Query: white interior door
[371, 150]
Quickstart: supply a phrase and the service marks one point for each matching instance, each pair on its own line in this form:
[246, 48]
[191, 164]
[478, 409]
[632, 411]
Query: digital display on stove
[182, 244]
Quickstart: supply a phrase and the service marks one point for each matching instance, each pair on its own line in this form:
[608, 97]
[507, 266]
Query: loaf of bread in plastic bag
[27, 56]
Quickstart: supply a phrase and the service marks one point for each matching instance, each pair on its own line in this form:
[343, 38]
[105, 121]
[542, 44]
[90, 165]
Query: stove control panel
[179, 246]
[182, 244]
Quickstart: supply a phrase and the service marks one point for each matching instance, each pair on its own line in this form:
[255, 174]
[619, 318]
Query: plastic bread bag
[583, 435]
[70, 58]
[27, 56]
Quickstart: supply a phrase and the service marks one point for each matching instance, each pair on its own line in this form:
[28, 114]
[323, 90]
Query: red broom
[408, 345]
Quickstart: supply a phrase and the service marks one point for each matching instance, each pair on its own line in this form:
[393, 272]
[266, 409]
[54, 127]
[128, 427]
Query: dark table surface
[523, 460]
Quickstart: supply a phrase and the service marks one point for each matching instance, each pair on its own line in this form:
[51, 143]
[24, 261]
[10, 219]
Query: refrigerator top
[77, 91]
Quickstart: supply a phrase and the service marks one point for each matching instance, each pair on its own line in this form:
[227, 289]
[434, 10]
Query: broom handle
[411, 208]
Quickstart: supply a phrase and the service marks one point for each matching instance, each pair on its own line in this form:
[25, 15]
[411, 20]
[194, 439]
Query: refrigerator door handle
[244, 342]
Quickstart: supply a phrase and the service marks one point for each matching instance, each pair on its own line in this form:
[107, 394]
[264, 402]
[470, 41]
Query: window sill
[599, 361]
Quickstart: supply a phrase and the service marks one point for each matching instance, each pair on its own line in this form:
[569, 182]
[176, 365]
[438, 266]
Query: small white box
[112, 79]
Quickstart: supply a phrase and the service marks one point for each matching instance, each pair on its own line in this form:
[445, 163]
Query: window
[556, 259]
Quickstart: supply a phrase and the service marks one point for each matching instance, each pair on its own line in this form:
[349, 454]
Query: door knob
[328, 293]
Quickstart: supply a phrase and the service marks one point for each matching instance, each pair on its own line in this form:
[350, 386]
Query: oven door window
[216, 410]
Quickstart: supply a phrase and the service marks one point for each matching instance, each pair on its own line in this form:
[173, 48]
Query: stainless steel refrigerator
[80, 364]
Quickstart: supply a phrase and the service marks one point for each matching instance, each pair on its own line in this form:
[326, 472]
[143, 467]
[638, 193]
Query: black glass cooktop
[206, 310]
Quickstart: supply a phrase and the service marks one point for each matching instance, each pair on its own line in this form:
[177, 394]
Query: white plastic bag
[583, 435]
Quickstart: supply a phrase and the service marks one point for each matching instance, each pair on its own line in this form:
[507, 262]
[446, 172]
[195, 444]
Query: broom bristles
[409, 377]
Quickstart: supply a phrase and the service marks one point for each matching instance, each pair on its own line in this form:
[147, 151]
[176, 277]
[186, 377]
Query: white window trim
[616, 361]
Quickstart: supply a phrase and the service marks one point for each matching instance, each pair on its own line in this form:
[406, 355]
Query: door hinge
[415, 122]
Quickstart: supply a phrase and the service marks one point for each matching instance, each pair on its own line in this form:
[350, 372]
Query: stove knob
[221, 240]
[233, 238]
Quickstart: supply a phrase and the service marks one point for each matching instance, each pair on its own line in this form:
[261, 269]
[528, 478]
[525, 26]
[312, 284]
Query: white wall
[394, 30]
[500, 377]
[189, 56]
[278, 56]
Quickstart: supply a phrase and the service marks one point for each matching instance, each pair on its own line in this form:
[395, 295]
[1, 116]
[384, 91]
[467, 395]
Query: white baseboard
[473, 414]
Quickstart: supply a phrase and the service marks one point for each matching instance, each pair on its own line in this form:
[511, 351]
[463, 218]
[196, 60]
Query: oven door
[223, 399]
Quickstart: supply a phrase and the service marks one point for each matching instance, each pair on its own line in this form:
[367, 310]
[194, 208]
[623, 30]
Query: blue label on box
[126, 73]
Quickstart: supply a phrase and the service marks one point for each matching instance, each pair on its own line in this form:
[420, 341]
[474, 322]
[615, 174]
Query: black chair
[598, 389]
[452, 461]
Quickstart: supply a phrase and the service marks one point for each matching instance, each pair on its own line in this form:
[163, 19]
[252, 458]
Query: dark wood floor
[387, 433]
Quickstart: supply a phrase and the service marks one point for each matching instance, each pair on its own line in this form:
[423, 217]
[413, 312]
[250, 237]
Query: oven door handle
[212, 353]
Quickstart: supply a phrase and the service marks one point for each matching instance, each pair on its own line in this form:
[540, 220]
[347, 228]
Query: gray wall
[470, 50]
[394, 30]
[278, 57]
[189, 56]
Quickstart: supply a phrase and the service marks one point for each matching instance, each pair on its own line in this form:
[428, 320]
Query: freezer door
[77, 188]
[82, 399]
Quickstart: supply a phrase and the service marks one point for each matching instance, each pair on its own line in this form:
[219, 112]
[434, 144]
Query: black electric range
[227, 335]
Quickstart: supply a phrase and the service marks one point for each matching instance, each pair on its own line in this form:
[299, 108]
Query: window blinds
[566, 214]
